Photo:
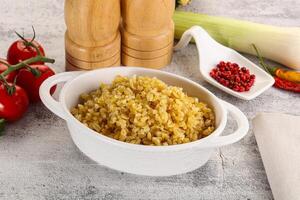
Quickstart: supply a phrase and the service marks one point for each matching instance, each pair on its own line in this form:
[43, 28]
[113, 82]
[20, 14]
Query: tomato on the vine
[11, 76]
[12, 106]
[20, 51]
[31, 82]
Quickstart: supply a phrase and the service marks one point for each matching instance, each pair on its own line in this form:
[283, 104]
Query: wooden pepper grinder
[92, 39]
[147, 32]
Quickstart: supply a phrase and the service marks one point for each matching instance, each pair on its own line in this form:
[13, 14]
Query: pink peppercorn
[232, 76]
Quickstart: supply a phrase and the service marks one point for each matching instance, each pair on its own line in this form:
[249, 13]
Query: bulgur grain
[144, 110]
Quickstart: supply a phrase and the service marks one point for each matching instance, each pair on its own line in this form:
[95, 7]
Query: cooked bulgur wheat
[144, 110]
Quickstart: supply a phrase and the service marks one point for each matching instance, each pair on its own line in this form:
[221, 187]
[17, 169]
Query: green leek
[280, 44]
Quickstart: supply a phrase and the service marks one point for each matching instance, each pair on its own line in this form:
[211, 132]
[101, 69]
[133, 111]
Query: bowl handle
[242, 130]
[47, 99]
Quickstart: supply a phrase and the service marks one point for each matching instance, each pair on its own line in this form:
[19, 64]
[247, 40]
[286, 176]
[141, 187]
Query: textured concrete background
[38, 160]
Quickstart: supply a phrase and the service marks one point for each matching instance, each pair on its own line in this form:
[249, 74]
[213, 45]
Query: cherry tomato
[18, 52]
[13, 107]
[32, 83]
[11, 76]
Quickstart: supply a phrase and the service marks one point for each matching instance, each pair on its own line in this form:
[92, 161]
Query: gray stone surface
[38, 160]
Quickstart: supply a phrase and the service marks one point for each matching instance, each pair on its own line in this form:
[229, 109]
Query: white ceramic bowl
[139, 159]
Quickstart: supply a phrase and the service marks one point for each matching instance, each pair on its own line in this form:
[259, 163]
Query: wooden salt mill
[92, 39]
[147, 32]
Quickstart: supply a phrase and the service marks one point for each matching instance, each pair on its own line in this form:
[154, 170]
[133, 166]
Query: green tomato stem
[4, 63]
[2, 125]
[29, 43]
[25, 63]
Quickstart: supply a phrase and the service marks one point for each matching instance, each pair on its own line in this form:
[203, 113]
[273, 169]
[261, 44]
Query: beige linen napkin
[278, 139]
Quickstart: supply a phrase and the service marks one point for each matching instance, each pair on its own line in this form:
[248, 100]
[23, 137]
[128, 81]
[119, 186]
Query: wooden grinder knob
[147, 17]
[147, 32]
[92, 32]
[92, 22]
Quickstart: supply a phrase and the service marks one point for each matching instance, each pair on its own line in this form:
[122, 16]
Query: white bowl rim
[99, 136]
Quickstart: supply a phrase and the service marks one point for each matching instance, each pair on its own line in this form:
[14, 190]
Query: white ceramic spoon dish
[211, 53]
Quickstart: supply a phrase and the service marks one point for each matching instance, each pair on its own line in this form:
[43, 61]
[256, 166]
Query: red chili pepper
[286, 85]
[288, 75]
